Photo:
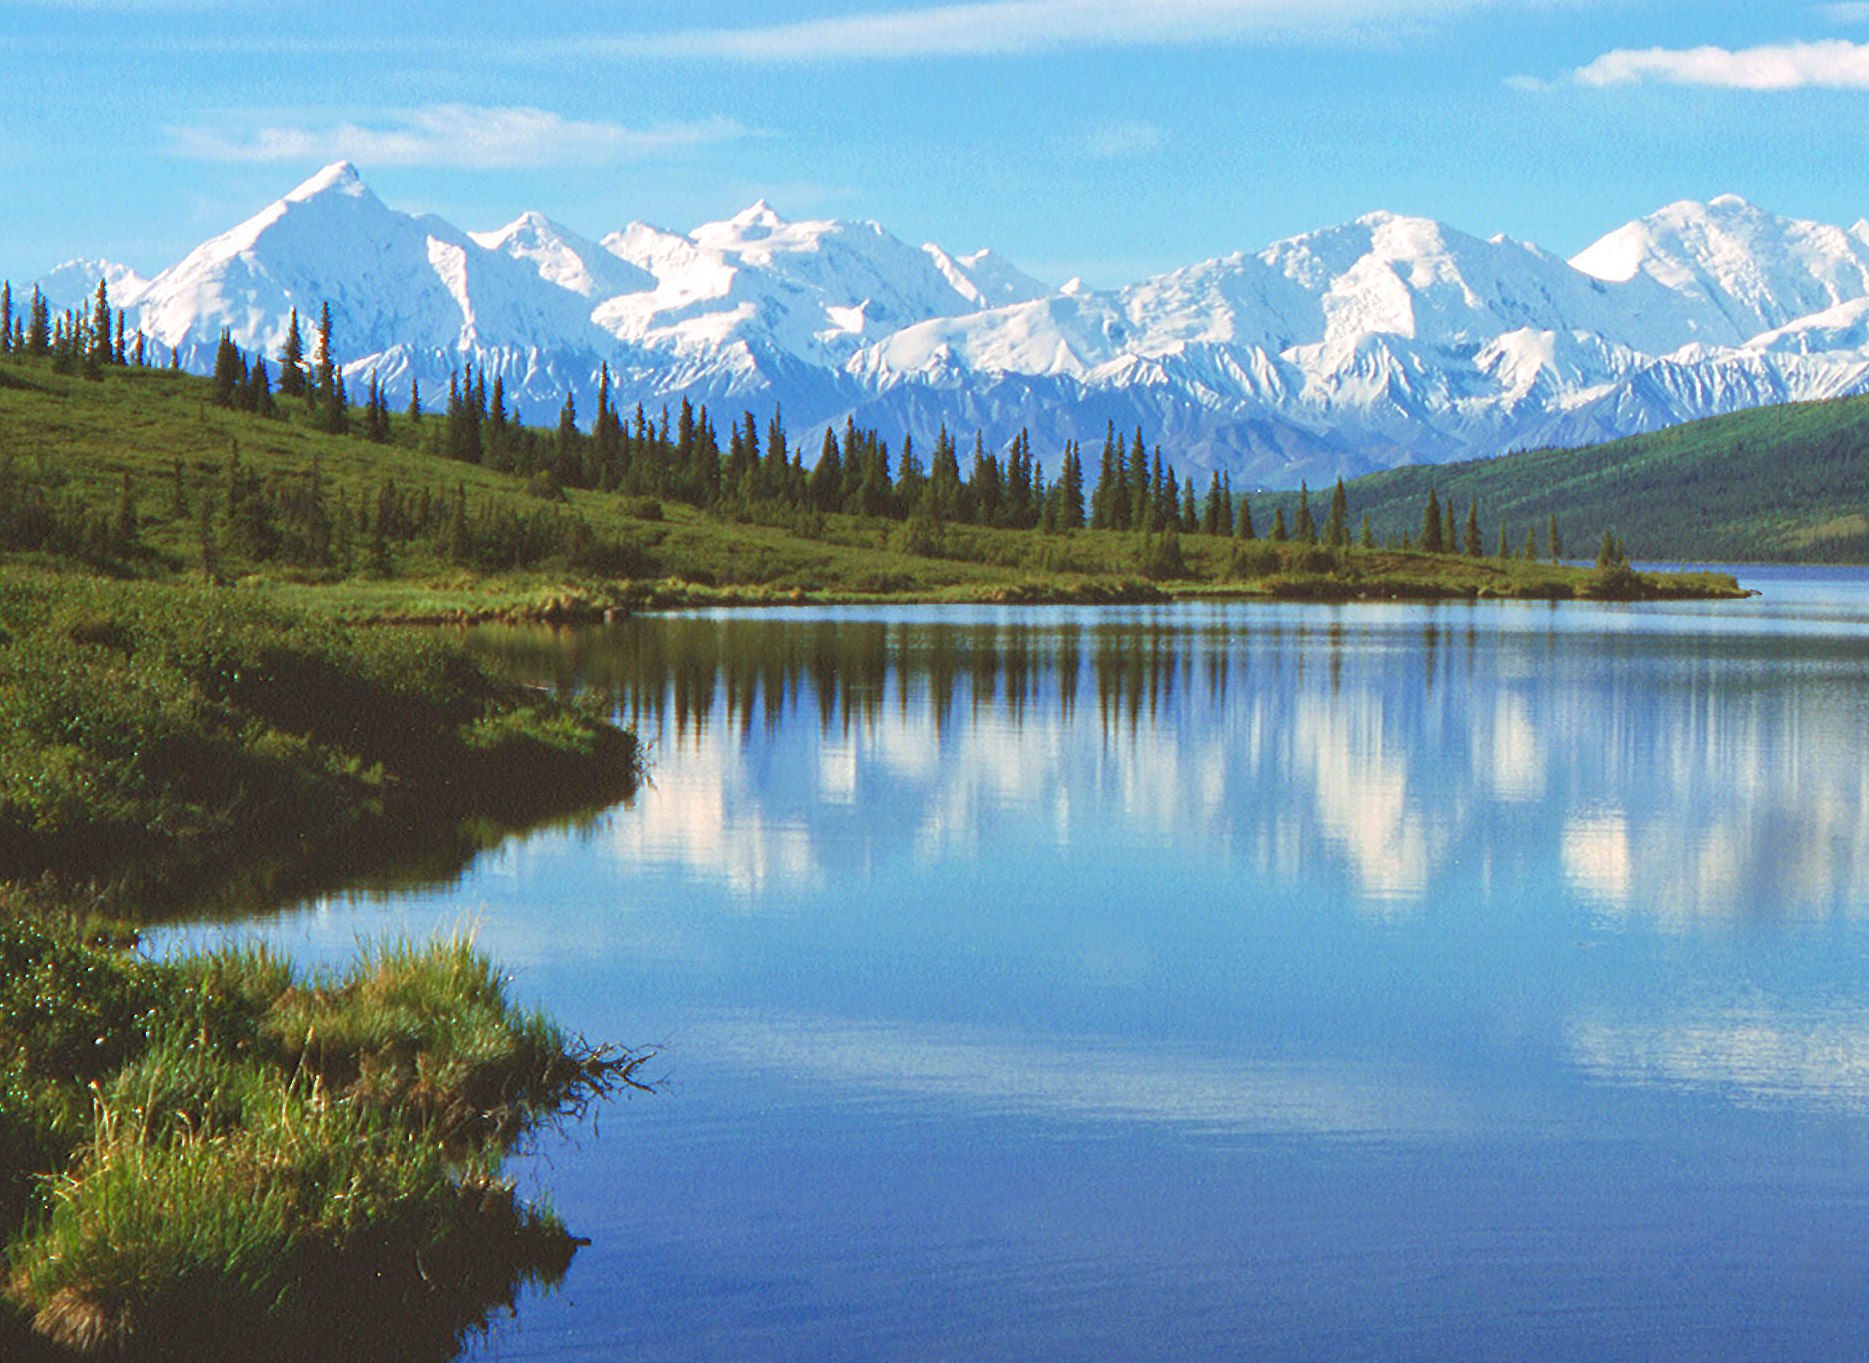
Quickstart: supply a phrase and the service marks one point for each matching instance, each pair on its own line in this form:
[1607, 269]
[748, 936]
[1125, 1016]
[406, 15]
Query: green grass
[214, 1158]
[157, 738]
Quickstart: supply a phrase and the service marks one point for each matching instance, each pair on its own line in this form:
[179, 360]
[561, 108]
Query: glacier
[1384, 341]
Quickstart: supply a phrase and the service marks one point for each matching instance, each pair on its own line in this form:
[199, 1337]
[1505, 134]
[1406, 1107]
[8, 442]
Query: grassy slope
[1775, 484]
[156, 740]
[90, 434]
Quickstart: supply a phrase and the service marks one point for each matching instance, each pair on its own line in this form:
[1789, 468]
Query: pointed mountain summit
[340, 177]
[410, 297]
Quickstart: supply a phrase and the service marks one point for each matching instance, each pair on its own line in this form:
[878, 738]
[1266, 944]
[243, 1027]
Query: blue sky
[1101, 138]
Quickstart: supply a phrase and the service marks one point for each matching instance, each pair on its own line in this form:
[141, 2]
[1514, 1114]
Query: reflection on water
[1667, 777]
[1244, 981]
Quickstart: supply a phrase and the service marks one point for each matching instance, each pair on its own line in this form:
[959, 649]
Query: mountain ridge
[1384, 341]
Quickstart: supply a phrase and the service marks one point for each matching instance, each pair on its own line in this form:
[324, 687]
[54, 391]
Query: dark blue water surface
[1208, 982]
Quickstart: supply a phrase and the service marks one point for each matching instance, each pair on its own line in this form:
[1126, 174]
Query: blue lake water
[1200, 982]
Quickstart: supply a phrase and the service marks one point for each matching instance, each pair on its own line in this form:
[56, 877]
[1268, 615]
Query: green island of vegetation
[210, 1156]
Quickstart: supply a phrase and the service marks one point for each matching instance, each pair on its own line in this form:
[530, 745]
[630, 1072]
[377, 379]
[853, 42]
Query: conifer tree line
[684, 457]
[1441, 533]
[78, 341]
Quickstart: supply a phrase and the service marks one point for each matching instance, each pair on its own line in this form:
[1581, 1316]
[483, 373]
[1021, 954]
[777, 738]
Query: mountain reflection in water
[1670, 778]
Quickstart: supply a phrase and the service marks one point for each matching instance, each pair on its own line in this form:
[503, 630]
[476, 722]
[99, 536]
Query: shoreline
[603, 603]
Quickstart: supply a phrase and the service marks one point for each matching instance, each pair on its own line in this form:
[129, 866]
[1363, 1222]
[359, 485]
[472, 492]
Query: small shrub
[1253, 559]
[1315, 558]
[1159, 559]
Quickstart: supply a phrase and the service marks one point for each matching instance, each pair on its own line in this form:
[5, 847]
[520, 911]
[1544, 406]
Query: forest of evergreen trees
[295, 519]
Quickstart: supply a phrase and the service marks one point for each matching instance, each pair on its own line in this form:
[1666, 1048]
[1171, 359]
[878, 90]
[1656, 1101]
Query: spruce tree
[1307, 528]
[1337, 523]
[1606, 553]
[1109, 500]
[292, 360]
[1279, 533]
[1368, 538]
[259, 395]
[39, 326]
[1474, 548]
[326, 362]
[6, 316]
[1557, 543]
[1244, 526]
[99, 352]
[1141, 485]
[178, 491]
[1431, 526]
[1071, 480]
[226, 380]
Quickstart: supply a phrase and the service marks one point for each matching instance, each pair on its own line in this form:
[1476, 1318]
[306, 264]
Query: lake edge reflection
[1142, 984]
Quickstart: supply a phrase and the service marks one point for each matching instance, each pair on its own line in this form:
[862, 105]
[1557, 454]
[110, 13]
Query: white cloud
[1847, 12]
[1832, 64]
[1013, 26]
[1114, 141]
[456, 135]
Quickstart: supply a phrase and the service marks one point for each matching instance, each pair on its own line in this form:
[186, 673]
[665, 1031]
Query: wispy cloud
[1114, 141]
[1014, 26]
[455, 135]
[1846, 12]
[1832, 64]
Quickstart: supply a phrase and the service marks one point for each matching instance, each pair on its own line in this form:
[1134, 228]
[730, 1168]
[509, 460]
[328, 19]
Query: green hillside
[146, 473]
[1787, 483]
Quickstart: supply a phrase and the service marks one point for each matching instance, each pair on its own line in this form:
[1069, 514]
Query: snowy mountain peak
[1730, 270]
[1386, 339]
[73, 283]
[757, 216]
[564, 258]
[340, 177]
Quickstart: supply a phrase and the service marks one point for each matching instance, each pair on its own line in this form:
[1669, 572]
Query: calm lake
[1206, 982]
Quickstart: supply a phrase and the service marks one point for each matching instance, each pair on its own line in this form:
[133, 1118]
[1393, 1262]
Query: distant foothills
[1384, 342]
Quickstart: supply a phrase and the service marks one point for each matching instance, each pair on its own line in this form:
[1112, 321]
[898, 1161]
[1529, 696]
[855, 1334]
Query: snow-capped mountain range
[1381, 341]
